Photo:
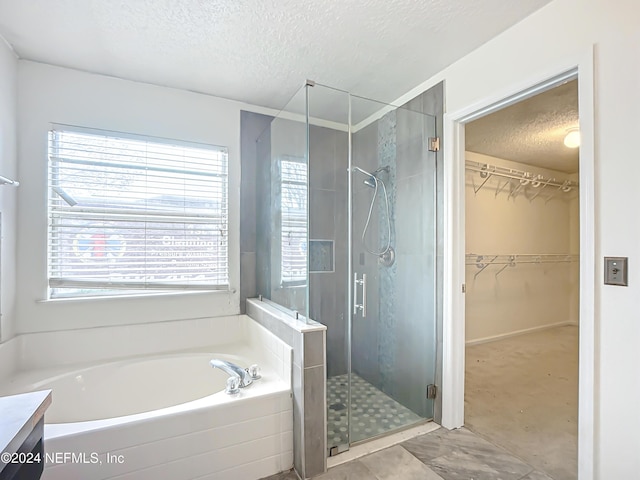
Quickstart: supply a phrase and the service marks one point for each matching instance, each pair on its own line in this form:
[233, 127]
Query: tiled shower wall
[390, 343]
[251, 127]
[261, 142]
[328, 153]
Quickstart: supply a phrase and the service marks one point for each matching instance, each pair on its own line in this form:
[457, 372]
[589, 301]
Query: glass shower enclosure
[347, 237]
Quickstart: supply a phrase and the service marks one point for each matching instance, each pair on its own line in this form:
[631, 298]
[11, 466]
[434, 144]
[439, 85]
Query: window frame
[145, 288]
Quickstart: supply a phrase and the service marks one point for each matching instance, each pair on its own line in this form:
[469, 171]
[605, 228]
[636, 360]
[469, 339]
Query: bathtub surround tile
[174, 449]
[314, 420]
[298, 349]
[286, 460]
[188, 448]
[66, 471]
[200, 465]
[278, 353]
[272, 321]
[258, 315]
[313, 349]
[298, 419]
[168, 426]
[197, 442]
[264, 412]
[308, 384]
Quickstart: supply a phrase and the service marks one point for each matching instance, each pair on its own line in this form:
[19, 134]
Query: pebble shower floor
[373, 411]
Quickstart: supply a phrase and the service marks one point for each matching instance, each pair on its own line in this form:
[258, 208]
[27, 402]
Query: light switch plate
[615, 271]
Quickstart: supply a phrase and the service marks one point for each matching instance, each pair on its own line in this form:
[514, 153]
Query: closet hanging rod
[483, 260]
[487, 170]
[8, 181]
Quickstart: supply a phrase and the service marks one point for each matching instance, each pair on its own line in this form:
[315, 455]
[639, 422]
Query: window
[130, 215]
[294, 222]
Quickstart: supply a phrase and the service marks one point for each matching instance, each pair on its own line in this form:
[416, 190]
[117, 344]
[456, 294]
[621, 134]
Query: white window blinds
[131, 214]
[294, 221]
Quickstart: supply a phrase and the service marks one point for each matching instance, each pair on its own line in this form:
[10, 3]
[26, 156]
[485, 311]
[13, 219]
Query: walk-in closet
[522, 279]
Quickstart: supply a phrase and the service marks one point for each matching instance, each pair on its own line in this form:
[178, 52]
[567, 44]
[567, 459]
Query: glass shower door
[393, 269]
[372, 261]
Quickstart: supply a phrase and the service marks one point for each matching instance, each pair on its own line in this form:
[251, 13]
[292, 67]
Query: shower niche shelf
[321, 256]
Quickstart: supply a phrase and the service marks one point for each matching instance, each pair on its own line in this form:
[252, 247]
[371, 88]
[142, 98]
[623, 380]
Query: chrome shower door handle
[355, 293]
[360, 306]
[364, 295]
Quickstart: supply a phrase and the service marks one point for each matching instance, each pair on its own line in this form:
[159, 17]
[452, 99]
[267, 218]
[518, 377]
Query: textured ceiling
[531, 131]
[259, 51]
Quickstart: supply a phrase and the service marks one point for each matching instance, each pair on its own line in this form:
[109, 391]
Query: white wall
[52, 94]
[8, 195]
[528, 296]
[562, 30]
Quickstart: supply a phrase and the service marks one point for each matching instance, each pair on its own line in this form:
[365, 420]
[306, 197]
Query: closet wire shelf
[483, 261]
[518, 181]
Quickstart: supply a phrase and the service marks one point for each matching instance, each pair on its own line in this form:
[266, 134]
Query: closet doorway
[522, 279]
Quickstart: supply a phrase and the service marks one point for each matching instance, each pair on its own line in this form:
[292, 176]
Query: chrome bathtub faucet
[239, 377]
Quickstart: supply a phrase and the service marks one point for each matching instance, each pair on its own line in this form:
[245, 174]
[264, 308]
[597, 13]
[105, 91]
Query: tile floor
[373, 412]
[439, 455]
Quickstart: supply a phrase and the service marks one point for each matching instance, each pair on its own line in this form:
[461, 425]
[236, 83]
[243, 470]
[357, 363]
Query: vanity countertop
[19, 414]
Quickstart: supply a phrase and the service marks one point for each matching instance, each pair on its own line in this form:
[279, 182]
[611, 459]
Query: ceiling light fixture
[572, 138]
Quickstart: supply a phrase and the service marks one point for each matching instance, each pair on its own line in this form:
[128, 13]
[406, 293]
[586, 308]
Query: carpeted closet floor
[521, 393]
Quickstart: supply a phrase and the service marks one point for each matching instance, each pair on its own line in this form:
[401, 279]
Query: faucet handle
[254, 372]
[233, 385]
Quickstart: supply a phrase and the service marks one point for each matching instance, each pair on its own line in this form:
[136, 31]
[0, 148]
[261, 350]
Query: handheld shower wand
[373, 181]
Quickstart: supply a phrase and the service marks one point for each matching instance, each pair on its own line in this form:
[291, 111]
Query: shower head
[371, 181]
[372, 178]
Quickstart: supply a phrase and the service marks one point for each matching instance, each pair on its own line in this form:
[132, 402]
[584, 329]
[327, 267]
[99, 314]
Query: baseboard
[502, 336]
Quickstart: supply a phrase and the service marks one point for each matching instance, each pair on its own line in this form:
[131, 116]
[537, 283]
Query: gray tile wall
[308, 382]
[252, 125]
[328, 160]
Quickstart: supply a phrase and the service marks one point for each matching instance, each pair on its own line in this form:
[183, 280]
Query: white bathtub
[167, 416]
